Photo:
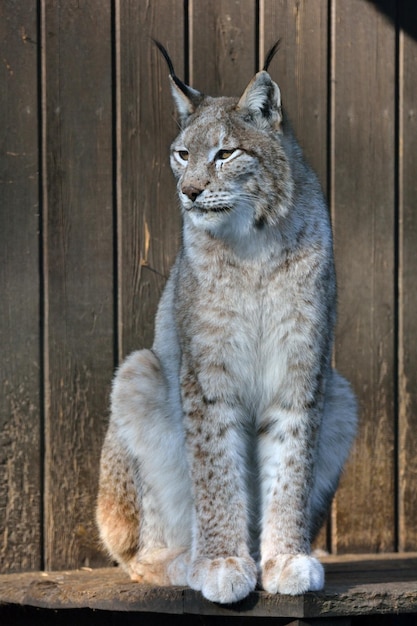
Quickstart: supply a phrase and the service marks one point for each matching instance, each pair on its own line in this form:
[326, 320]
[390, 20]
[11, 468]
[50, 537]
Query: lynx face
[226, 166]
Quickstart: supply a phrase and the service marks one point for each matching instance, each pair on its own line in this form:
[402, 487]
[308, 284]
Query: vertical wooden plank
[148, 214]
[20, 489]
[78, 243]
[222, 46]
[407, 276]
[301, 70]
[363, 175]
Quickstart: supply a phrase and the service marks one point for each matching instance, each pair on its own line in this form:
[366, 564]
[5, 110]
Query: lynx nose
[191, 191]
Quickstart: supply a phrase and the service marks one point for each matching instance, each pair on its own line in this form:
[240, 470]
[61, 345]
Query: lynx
[227, 439]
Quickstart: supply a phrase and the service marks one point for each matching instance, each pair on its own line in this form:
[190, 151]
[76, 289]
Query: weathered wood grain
[223, 52]
[148, 215]
[353, 587]
[20, 437]
[407, 392]
[301, 70]
[78, 250]
[363, 207]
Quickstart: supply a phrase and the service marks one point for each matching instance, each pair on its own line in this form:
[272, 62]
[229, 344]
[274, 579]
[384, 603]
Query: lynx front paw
[292, 574]
[223, 580]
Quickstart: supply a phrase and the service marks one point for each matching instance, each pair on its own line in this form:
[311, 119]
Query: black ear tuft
[272, 52]
[170, 64]
[166, 56]
[186, 98]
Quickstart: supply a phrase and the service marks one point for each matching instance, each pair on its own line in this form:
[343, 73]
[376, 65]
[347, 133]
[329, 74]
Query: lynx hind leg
[337, 433]
[118, 501]
[153, 451]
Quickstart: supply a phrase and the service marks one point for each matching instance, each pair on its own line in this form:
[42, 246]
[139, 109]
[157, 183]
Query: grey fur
[234, 429]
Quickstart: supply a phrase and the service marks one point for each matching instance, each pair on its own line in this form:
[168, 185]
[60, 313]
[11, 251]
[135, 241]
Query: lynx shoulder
[227, 439]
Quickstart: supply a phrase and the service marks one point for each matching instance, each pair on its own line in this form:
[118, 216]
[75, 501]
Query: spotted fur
[227, 439]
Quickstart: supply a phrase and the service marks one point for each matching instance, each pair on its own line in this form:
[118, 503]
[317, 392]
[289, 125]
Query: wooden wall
[90, 225]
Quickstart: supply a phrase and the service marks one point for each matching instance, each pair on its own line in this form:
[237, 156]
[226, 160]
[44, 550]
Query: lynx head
[233, 175]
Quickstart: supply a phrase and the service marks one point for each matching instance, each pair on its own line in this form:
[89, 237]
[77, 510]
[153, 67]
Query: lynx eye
[226, 155]
[182, 156]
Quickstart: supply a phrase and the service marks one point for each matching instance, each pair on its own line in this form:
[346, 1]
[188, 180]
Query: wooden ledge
[355, 585]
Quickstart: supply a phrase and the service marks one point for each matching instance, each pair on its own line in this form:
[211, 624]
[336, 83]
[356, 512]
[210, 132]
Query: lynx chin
[227, 439]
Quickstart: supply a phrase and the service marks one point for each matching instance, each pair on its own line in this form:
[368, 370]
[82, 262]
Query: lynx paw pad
[292, 574]
[223, 580]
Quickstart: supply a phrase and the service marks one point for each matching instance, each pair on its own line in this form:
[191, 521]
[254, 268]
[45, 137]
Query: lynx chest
[244, 323]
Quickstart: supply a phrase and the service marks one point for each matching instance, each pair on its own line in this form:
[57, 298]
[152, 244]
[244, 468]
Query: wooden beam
[20, 338]
[78, 264]
[407, 274]
[363, 211]
[222, 54]
[148, 218]
[354, 587]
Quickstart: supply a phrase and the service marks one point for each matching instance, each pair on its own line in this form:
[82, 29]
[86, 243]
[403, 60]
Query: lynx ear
[262, 100]
[186, 98]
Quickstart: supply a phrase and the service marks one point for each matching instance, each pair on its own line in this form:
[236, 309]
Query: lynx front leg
[221, 566]
[286, 447]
